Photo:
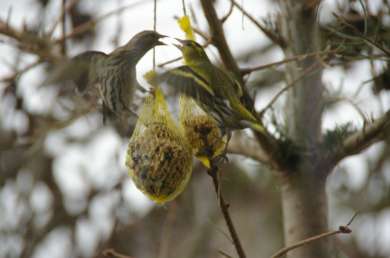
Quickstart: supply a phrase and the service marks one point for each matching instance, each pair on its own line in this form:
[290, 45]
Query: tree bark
[304, 198]
[304, 205]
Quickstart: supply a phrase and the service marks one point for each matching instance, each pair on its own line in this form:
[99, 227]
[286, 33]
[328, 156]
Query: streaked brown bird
[110, 78]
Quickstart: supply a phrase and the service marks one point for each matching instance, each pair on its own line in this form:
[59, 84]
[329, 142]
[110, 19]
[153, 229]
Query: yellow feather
[185, 25]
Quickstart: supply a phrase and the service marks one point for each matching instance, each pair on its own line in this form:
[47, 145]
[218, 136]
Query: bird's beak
[165, 40]
[180, 43]
[159, 42]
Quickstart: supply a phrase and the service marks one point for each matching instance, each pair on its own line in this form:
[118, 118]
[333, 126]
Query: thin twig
[219, 39]
[213, 172]
[224, 254]
[245, 71]
[90, 24]
[307, 71]
[29, 42]
[63, 27]
[68, 7]
[21, 71]
[274, 38]
[183, 5]
[224, 18]
[170, 61]
[359, 35]
[111, 253]
[154, 29]
[341, 230]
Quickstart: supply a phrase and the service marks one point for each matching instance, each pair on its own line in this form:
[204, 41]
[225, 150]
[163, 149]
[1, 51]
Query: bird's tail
[257, 126]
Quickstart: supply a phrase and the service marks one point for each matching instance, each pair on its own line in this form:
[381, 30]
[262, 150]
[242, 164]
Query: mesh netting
[158, 157]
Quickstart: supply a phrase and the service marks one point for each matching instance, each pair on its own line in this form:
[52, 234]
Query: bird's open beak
[159, 42]
[165, 40]
[179, 45]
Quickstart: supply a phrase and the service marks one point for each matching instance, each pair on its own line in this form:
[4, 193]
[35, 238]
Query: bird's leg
[223, 156]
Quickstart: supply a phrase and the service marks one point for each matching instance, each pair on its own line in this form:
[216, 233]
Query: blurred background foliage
[64, 189]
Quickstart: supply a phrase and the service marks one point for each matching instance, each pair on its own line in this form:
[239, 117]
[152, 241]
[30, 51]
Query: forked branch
[341, 230]
[364, 138]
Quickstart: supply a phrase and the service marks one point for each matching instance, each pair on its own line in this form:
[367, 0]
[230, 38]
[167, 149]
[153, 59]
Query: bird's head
[146, 39]
[192, 51]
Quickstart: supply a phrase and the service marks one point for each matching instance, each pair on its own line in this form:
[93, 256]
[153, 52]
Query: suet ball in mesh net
[201, 131]
[158, 157]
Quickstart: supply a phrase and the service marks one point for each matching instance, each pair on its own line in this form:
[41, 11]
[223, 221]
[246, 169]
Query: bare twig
[224, 254]
[170, 61]
[358, 35]
[118, 28]
[218, 38]
[307, 71]
[16, 74]
[68, 7]
[154, 29]
[352, 103]
[90, 24]
[245, 71]
[274, 38]
[29, 42]
[341, 230]
[227, 15]
[213, 172]
[63, 14]
[111, 253]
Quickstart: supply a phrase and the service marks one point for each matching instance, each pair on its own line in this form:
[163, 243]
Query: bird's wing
[77, 69]
[187, 81]
[241, 92]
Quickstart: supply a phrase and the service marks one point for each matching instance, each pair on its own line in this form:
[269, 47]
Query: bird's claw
[220, 159]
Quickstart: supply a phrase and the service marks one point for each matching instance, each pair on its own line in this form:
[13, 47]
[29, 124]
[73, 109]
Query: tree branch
[218, 37]
[361, 140]
[341, 230]
[29, 42]
[63, 27]
[213, 172]
[245, 71]
[309, 70]
[278, 40]
[243, 145]
[91, 24]
[230, 11]
[111, 253]
[283, 251]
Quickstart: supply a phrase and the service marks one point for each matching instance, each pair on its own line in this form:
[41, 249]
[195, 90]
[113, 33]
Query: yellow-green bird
[216, 91]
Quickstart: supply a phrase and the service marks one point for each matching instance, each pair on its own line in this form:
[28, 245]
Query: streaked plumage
[112, 77]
